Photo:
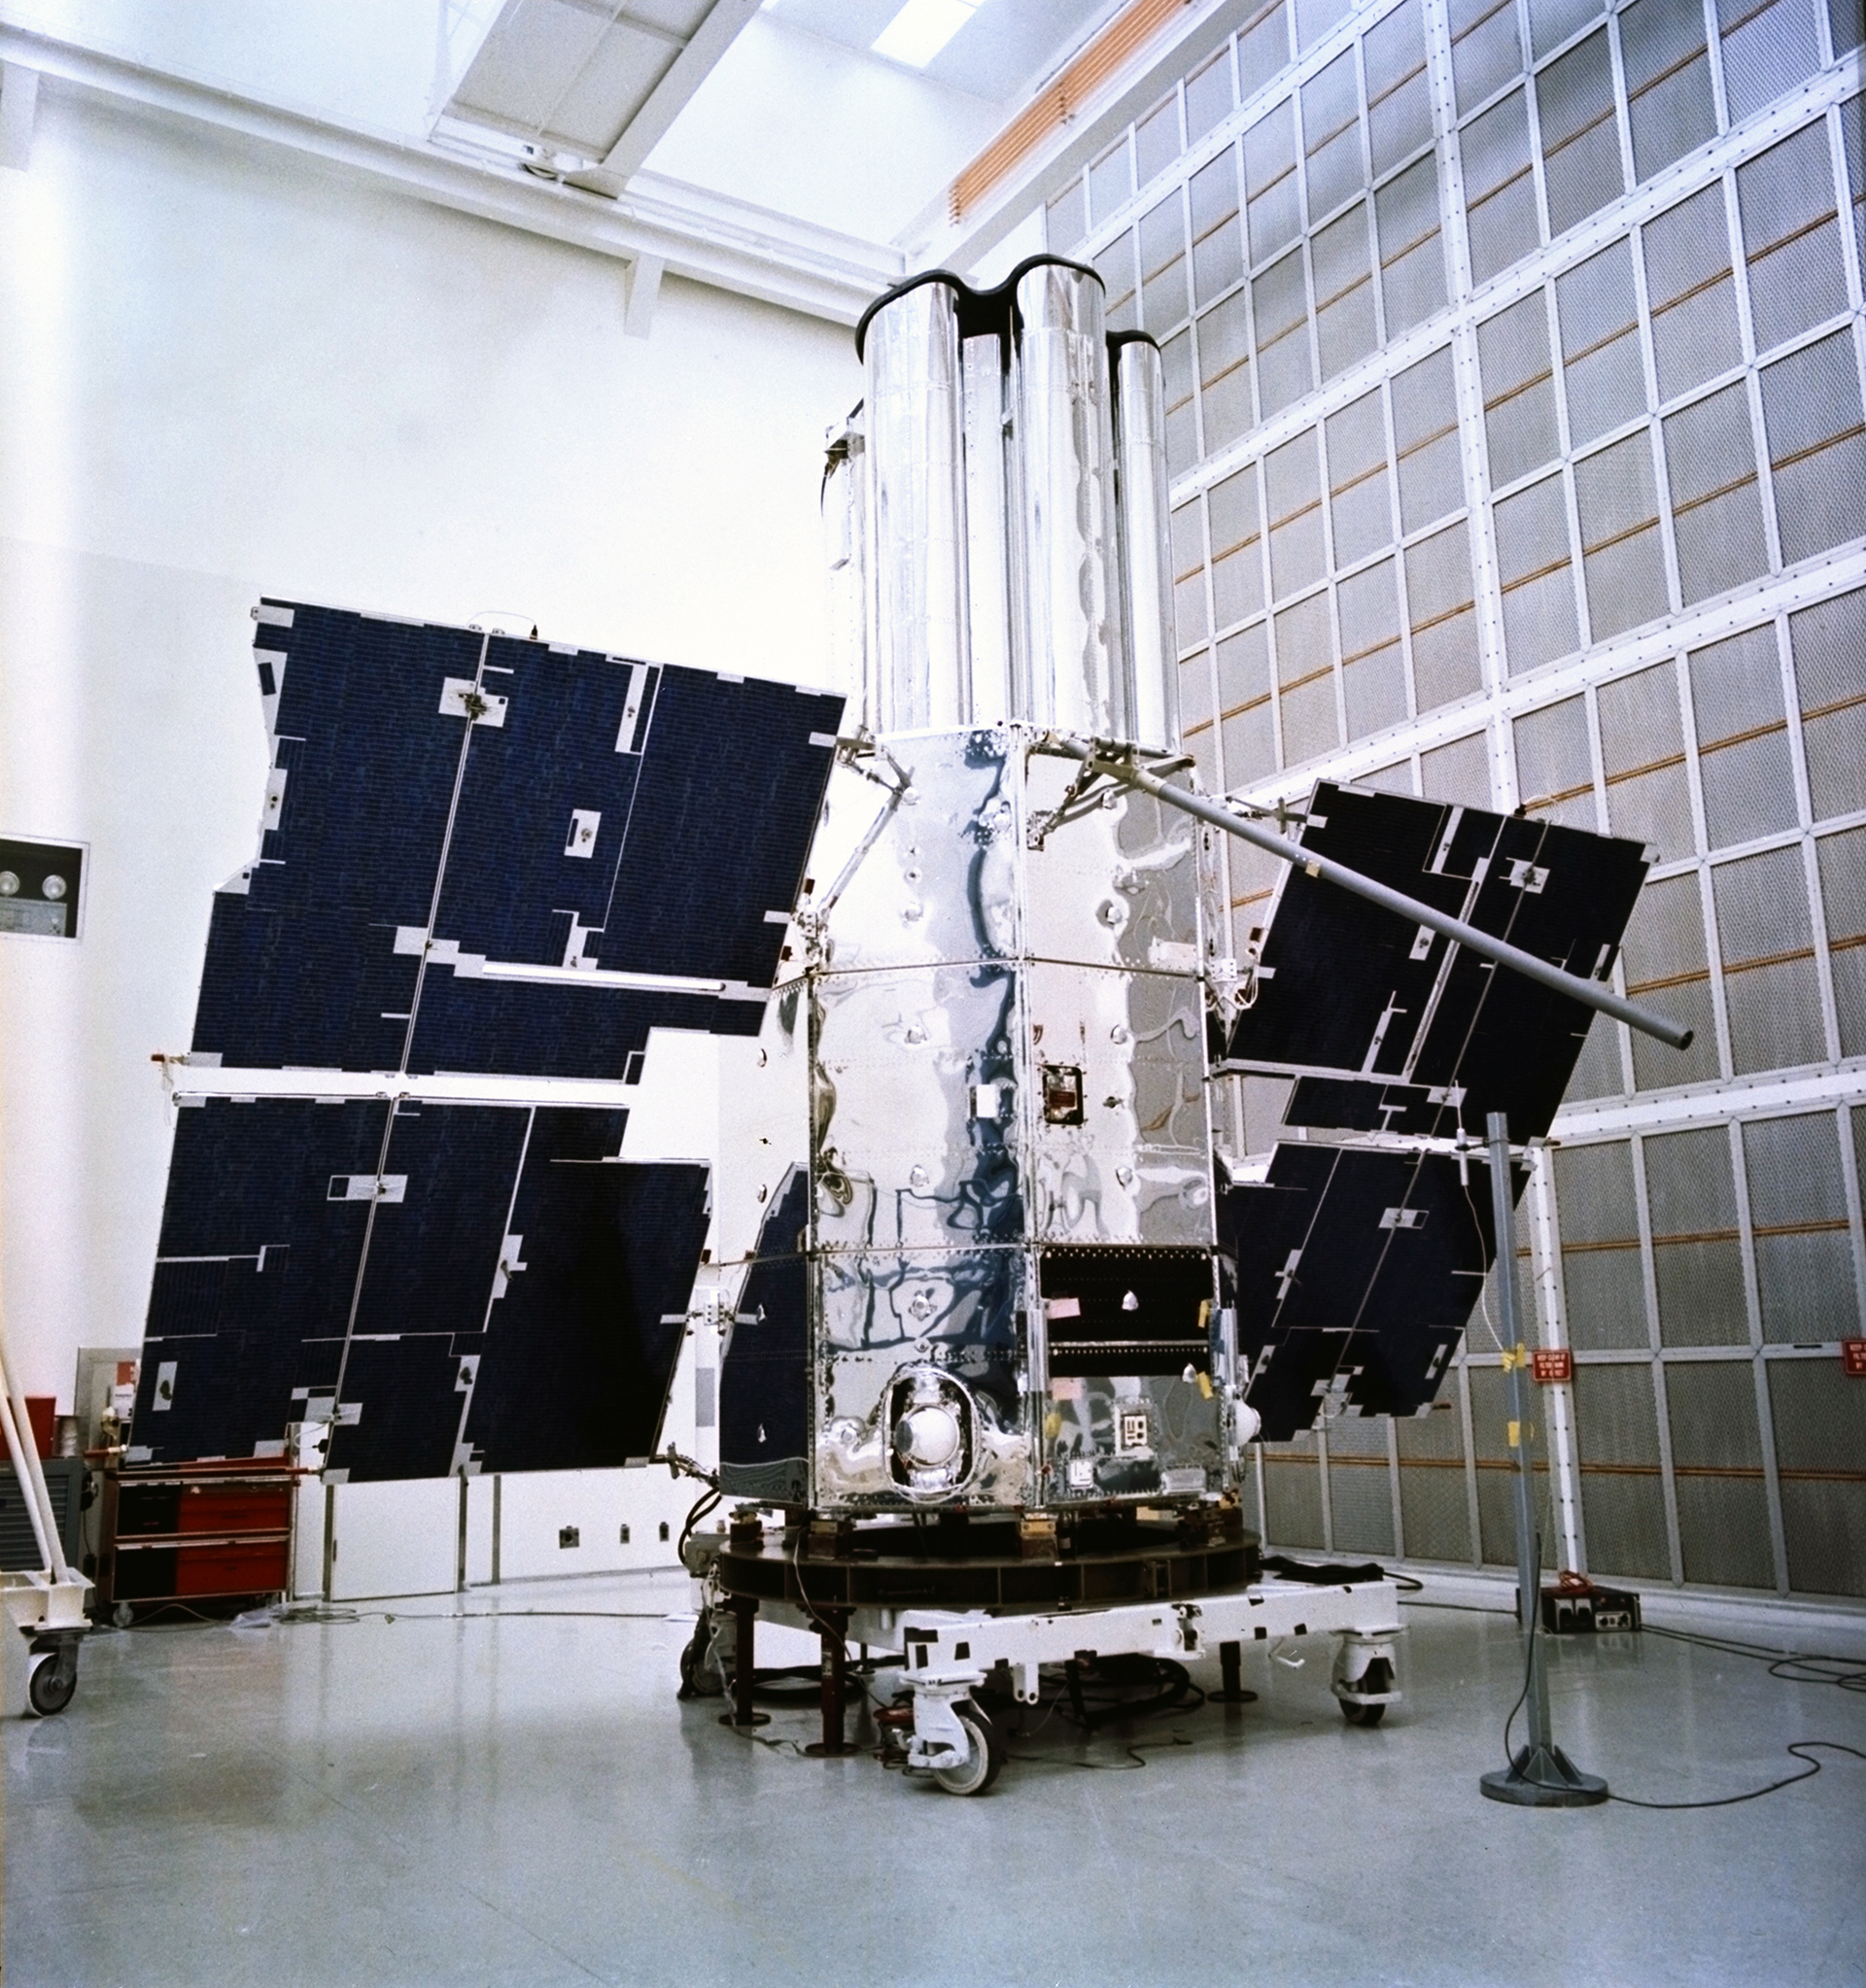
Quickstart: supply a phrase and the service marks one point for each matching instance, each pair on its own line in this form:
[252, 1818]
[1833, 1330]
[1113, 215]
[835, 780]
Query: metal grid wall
[1515, 359]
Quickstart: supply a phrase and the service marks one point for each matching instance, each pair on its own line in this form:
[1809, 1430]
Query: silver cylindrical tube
[843, 509]
[918, 652]
[1064, 447]
[987, 533]
[1146, 555]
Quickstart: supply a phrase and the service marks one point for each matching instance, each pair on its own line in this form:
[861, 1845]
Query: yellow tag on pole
[1515, 1435]
[1515, 1356]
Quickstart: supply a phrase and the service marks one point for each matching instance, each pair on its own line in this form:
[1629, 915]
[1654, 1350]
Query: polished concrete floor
[413, 1797]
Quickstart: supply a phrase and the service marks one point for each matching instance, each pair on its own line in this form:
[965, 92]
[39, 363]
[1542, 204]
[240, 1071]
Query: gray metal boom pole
[1541, 1775]
[1578, 988]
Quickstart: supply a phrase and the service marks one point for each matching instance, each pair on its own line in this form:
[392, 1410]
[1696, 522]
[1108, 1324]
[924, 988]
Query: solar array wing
[1353, 1271]
[1396, 1028]
[498, 859]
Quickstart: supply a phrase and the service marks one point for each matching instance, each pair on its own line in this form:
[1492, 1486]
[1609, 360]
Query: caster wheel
[47, 1692]
[1378, 1677]
[984, 1758]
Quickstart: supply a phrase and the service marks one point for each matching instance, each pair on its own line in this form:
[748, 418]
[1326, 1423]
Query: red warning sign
[1553, 1363]
[1853, 1357]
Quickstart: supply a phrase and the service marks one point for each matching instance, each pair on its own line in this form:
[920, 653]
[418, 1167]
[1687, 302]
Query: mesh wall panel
[1341, 264]
[1580, 135]
[1665, 957]
[1648, 791]
[1237, 548]
[1716, 496]
[1598, 1071]
[1828, 643]
[1621, 553]
[1496, 1468]
[1519, 390]
[1249, 745]
[1330, 102]
[1766, 50]
[1500, 220]
[1697, 1254]
[1533, 567]
[1425, 439]
[1292, 1493]
[1273, 208]
[1716, 1462]
[1293, 500]
[1399, 86]
[1360, 1487]
[1111, 180]
[1669, 104]
[1208, 95]
[1622, 1497]
[1552, 22]
[1798, 1213]
[1410, 233]
[1819, 1422]
[1372, 668]
[1262, 50]
[1554, 764]
[1359, 488]
[1161, 239]
[1434, 1509]
[1745, 760]
[1191, 614]
[1602, 1276]
[1217, 242]
[1458, 772]
[1691, 293]
[1811, 409]
[1841, 861]
[1771, 985]
[1486, 52]
[1158, 141]
[1791, 237]
[1440, 603]
[1602, 372]
[1225, 406]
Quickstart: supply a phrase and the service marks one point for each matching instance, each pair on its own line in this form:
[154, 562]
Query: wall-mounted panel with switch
[41, 886]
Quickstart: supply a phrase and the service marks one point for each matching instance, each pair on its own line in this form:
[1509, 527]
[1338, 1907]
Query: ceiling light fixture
[921, 29]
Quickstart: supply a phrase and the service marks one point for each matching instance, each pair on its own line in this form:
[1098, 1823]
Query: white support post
[1558, 1396]
[641, 293]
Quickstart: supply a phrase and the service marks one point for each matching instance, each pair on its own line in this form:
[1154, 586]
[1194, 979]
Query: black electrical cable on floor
[1800, 1748]
[1848, 1678]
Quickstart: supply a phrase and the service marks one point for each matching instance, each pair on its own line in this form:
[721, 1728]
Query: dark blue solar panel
[666, 813]
[1352, 988]
[764, 1377]
[1354, 1272]
[555, 1029]
[320, 989]
[407, 1400]
[729, 792]
[433, 1253]
[369, 758]
[512, 887]
[580, 1350]
[255, 1270]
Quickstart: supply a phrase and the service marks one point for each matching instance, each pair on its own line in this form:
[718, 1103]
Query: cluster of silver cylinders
[998, 515]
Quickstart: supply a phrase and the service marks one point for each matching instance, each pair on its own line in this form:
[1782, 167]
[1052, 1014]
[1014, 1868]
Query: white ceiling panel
[574, 75]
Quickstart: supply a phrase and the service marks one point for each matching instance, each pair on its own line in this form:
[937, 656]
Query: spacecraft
[1008, 1320]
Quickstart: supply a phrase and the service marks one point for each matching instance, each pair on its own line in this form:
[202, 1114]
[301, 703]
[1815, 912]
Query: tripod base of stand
[1543, 1777]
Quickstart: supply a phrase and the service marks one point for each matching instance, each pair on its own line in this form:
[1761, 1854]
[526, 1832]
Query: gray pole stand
[1541, 1775]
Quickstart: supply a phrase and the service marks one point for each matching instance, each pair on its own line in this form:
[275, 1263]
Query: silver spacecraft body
[1007, 1254]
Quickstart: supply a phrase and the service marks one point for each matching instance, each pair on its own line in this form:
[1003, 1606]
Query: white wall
[225, 372]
